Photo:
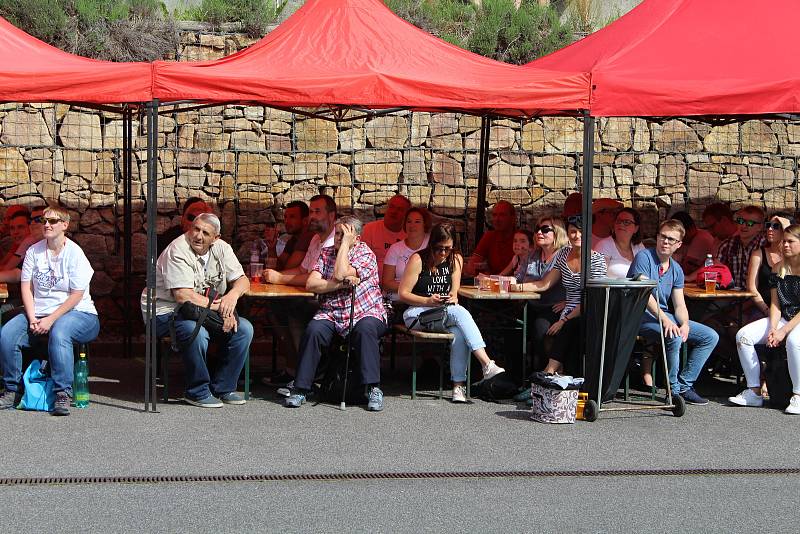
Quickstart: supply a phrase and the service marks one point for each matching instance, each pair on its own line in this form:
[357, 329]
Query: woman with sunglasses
[763, 261]
[567, 270]
[432, 278]
[777, 329]
[55, 292]
[623, 244]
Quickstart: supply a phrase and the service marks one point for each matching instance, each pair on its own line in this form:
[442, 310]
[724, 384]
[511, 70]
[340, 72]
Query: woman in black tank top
[762, 261]
[432, 278]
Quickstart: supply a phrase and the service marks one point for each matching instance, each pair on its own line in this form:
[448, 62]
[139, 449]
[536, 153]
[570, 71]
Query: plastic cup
[256, 269]
[711, 282]
[495, 286]
[505, 285]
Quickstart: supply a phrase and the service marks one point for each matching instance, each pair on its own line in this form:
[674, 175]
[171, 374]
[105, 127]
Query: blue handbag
[39, 394]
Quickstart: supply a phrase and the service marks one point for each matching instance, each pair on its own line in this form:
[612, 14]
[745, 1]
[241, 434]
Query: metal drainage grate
[44, 481]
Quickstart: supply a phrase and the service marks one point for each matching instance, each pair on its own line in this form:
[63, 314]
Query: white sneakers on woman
[491, 369]
[747, 398]
[460, 393]
[794, 405]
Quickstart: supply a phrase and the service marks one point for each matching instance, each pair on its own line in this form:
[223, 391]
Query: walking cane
[342, 405]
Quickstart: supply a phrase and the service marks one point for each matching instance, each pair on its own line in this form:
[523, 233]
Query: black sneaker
[691, 397]
[61, 406]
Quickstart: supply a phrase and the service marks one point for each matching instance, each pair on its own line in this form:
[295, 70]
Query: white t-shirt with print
[314, 250]
[617, 264]
[398, 256]
[52, 278]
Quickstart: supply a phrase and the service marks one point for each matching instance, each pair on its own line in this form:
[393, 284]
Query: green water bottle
[80, 386]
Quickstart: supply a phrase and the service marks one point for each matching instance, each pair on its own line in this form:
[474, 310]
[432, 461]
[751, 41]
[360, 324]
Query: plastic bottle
[254, 253]
[709, 260]
[80, 386]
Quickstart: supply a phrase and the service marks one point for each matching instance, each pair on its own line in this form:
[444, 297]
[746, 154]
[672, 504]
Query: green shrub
[254, 15]
[128, 30]
[496, 28]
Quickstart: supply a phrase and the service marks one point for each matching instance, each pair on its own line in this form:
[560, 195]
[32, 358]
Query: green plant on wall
[495, 28]
[254, 15]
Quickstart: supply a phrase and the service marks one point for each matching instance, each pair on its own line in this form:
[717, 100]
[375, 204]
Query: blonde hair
[559, 231]
[794, 230]
[58, 211]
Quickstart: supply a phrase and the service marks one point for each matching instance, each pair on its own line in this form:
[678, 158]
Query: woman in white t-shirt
[623, 244]
[55, 292]
[417, 227]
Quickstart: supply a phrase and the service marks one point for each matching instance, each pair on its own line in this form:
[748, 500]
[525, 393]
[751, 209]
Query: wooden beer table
[273, 293]
[478, 297]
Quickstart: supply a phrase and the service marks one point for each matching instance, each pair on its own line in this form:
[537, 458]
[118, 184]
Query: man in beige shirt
[190, 265]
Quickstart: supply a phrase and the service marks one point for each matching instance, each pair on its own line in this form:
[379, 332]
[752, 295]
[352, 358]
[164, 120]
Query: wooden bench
[422, 336]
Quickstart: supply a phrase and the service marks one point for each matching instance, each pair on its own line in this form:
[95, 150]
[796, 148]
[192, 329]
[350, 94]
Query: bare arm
[291, 261]
[752, 280]
[317, 284]
[552, 277]
[512, 265]
[10, 276]
[388, 283]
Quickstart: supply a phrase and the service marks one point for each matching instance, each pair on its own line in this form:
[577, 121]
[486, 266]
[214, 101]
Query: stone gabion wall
[248, 161]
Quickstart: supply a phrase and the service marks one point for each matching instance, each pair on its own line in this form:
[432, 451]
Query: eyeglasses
[668, 240]
[773, 225]
[575, 220]
[52, 221]
[442, 250]
[743, 222]
[544, 229]
[626, 222]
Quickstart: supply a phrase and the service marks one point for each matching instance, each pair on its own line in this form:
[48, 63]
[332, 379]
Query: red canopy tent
[689, 58]
[33, 71]
[357, 53]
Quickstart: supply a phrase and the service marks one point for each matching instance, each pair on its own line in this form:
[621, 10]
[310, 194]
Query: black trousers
[319, 334]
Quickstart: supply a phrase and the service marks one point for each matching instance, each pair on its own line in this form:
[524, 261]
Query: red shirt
[497, 249]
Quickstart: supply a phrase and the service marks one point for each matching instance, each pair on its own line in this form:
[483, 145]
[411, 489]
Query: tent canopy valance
[691, 58]
[357, 53]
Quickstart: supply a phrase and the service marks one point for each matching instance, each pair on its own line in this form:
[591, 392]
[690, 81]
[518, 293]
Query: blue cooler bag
[39, 395]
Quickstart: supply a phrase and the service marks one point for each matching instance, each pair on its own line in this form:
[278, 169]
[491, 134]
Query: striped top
[572, 281]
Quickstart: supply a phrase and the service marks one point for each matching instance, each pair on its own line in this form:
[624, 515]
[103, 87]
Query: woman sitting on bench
[432, 278]
[55, 291]
[776, 329]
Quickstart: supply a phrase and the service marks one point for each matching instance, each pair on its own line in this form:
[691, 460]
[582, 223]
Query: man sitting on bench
[348, 264]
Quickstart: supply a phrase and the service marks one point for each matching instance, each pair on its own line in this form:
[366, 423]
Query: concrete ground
[113, 437]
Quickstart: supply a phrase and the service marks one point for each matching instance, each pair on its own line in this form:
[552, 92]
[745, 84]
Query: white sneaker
[491, 369]
[747, 398]
[459, 394]
[794, 405]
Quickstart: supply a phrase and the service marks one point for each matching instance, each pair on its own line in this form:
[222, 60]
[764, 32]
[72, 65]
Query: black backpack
[494, 389]
[332, 383]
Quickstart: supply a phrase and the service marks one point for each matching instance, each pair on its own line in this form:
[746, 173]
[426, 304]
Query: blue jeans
[72, 327]
[467, 338]
[233, 348]
[701, 341]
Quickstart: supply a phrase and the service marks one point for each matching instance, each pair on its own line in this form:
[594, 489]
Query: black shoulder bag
[202, 316]
[432, 320]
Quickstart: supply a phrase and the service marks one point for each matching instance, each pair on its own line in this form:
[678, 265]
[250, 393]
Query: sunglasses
[52, 221]
[442, 250]
[39, 219]
[667, 239]
[745, 222]
[626, 222]
[191, 217]
[773, 225]
[545, 229]
[575, 220]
